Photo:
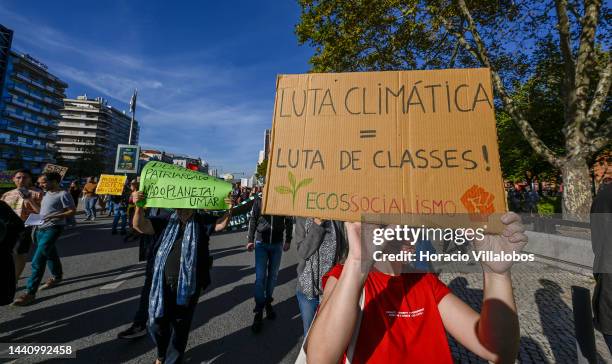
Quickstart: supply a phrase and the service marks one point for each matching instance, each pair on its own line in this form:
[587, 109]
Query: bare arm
[338, 313]
[494, 334]
[140, 222]
[222, 222]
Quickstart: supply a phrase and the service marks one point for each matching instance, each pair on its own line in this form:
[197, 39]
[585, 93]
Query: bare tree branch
[602, 137]
[601, 93]
[585, 57]
[451, 62]
[568, 60]
[480, 53]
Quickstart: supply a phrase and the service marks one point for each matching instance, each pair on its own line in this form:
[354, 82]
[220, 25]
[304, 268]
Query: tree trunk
[577, 195]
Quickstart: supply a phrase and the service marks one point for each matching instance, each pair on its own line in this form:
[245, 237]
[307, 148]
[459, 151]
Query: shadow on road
[72, 320]
[271, 345]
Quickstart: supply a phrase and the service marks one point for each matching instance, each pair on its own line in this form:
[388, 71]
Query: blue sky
[205, 70]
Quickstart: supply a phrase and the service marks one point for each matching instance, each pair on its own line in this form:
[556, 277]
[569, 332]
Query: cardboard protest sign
[55, 168]
[110, 184]
[401, 142]
[171, 186]
[6, 179]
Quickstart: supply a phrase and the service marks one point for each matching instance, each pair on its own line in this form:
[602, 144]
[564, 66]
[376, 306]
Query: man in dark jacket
[601, 238]
[266, 238]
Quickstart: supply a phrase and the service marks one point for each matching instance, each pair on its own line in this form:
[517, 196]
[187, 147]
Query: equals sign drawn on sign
[367, 133]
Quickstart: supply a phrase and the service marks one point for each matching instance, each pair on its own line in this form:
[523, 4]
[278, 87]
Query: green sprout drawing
[284, 190]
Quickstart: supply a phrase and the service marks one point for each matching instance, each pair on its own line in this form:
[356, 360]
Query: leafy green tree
[508, 36]
[262, 169]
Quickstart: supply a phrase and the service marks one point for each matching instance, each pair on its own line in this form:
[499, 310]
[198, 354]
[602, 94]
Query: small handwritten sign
[110, 184]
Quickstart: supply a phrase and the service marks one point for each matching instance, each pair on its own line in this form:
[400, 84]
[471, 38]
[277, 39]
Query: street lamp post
[133, 111]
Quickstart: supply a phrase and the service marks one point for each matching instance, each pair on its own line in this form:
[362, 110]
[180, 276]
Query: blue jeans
[45, 254]
[110, 206]
[90, 206]
[120, 213]
[267, 262]
[308, 308]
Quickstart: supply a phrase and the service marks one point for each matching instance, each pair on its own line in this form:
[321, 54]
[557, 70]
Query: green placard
[171, 186]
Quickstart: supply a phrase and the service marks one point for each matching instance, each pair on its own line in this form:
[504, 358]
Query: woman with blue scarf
[181, 271]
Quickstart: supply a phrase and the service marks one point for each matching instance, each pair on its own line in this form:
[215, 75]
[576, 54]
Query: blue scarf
[187, 275]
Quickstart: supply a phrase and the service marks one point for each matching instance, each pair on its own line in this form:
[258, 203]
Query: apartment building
[93, 126]
[29, 109]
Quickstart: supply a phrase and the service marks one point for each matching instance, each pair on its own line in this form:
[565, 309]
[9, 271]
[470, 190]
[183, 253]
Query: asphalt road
[99, 296]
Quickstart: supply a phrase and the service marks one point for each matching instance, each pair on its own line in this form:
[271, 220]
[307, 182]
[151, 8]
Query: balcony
[36, 108]
[79, 117]
[27, 119]
[76, 125]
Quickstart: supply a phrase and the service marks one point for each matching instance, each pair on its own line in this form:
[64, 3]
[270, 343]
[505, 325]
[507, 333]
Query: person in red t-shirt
[406, 316]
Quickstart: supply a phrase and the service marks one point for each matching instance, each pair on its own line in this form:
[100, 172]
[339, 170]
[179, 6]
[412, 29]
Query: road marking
[120, 279]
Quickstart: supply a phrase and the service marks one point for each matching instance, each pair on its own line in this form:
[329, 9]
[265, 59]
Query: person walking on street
[75, 192]
[266, 239]
[181, 272]
[119, 205]
[321, 244]
[23, 200]
[56, 206]
[91, 199]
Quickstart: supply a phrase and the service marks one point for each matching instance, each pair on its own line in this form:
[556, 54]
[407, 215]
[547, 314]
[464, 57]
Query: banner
[6, 179]
[110, 184]
[55, 168]
[350, 144]
[171, 186]
[127, 158]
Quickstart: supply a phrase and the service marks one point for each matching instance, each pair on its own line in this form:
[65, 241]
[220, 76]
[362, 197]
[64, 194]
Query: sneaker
[257, 322]
[270, 314]
[134, 332]
[123, 232]
[51, 282]
[24, 300]
[113, 232]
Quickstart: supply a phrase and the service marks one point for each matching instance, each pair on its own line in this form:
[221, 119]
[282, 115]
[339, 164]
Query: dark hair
[53, 176]
[24, 171]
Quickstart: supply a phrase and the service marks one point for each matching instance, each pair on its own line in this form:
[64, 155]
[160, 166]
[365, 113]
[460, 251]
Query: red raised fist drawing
[478, 202]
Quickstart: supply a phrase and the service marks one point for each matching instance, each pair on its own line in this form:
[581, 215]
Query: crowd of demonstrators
[56, 206]
[268, 236]
[24, 200]
[341, 305]
[243, 193]
[522, 198]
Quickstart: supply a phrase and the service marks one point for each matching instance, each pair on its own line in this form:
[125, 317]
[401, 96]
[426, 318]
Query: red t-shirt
[401, 321]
